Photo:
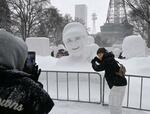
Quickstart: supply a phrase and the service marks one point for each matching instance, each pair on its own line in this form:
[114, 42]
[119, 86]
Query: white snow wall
[39, 44]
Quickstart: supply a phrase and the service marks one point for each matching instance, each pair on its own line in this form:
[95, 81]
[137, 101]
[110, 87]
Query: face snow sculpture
[74, 36]
[74, 45]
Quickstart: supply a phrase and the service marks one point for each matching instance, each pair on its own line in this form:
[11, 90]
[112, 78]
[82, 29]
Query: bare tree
[80, 21]
[140, 26]
[4, 15]
[141, 15]
[53, 23]
[26, 15]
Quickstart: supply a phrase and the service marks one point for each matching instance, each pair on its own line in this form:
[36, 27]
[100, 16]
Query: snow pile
[137, 66]
[46, 62]
[54, 49]
[134, 46]
[39, 44]
[148, 51]
[134, 66]
[91, 48]
[116, 52]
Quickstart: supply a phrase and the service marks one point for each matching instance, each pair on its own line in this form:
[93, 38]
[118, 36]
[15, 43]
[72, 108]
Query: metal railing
[74, 86]
[134, 93]
[91, 87]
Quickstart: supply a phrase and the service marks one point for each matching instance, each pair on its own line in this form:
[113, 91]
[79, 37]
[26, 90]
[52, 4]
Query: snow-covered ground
[63, 107]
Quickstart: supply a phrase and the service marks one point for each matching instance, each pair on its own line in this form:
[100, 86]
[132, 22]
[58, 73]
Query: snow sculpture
[92, 48]
[75, 40]
[116, 52]
[134, 46]
[90, 40]
[39, 44]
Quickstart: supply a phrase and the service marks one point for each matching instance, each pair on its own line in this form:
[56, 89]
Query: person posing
[20, 92]
[105, 61]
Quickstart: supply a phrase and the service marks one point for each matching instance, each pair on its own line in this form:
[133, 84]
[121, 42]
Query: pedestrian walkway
[64, 107]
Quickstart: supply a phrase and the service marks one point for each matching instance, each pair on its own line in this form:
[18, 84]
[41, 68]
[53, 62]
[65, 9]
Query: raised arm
[97, 65]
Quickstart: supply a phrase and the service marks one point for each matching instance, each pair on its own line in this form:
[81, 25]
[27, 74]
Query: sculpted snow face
[75, 39]
[74, 45]
[74, 36]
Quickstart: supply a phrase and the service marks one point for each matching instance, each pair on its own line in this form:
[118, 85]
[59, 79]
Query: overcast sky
[99, 7]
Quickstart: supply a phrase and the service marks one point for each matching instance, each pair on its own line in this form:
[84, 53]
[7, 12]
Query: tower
[81, 13]
[94, 18]
[116, 12]
[116, 26]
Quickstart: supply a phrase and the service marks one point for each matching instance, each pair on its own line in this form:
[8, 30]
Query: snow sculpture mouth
[75, 48]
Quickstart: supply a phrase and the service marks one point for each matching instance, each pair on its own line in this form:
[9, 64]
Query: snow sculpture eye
[69, 40]
[77, 38]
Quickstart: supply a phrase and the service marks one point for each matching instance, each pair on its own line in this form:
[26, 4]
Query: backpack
[122, 70]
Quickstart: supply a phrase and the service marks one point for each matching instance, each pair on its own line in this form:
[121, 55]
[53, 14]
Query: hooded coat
[19, 94]
[110, 66]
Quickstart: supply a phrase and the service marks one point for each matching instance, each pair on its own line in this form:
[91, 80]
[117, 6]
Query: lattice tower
[117, 12]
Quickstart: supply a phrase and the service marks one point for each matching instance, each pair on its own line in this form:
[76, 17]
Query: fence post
[78, 86]
[89, 87]
[128, 91]
[141, 92]
[67, 87]
[47, 80]
[57, 84]
[103, 91]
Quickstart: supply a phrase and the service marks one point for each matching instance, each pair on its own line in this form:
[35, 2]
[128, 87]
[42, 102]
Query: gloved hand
[95, 59]
[34, 71]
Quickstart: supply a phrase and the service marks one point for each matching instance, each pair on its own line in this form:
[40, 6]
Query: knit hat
[74, 29]
[13, 51]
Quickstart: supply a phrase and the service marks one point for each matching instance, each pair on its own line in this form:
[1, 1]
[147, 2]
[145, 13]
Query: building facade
[81, 13]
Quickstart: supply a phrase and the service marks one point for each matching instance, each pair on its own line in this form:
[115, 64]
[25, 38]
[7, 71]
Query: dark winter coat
[21, 95]
[110, 66]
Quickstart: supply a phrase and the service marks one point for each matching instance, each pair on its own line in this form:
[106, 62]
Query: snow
[80, 55]
[86, 108]
[46, 62]
[116, 52]
[38, 44]
[54, 49]
[75, 39]
[135, 66]
[134, 46]
[90, 40]
[60, 46]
